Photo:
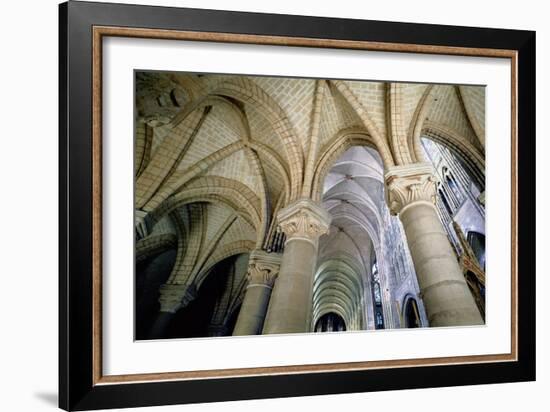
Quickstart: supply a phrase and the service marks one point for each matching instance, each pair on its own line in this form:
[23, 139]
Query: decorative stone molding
[409, 184]
[304, 219]
[176, 296]
[263, 268]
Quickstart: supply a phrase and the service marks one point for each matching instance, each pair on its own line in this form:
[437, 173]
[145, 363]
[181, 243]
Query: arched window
[451, 183]
[330, 322]
[411, 315]
[377, 297]
[477, 243]
[377, 294]
[379, 320]
[445, 202]
[376, 284]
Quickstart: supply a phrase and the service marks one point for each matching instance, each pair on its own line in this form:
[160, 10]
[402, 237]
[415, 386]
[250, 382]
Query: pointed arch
[248, 92]
[472, 158]
[415, 127]
[341, 142]
[216, 189]
[377, 137]
[229, 249]
[154, 244]
[397, 132]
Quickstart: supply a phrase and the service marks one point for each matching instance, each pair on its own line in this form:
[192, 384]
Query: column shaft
[290, 305]
[289, 311]
[411, 193]
[447, 298]
[253, 310]
[263, 269]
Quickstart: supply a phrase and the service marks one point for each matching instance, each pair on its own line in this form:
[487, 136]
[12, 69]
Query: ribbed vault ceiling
[243, 147]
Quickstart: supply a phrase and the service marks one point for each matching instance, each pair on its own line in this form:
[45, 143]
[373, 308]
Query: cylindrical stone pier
[303, 222]
[262, 272]
[411, 191]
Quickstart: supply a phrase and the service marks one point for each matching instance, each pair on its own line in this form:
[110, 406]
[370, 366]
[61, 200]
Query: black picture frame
[77, 390]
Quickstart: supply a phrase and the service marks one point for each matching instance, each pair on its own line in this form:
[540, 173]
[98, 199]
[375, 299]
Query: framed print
[256, 205]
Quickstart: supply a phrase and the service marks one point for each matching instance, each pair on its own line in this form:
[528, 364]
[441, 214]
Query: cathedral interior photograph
[276, 205]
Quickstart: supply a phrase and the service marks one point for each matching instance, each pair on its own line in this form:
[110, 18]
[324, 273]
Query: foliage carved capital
[304, 219]
[409, 184]
[263, 268]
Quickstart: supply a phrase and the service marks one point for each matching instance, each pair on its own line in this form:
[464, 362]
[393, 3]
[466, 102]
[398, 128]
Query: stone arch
[265, 205]
[279, 164]
[161, 186]
[214, 188]
[247, 91]
[163, 163]
[341, 142]
[346, 262]
[347, 278]
[411, 312]
[190, 238]
[208, 249]
[230, 249]
[212, 298]
[216, 199]
[415, 126]
[379, 140]
[397, 130]
[143, 141]
[472, 158]
[155, 244]
[469, 108]
[337, 284]
[331, 293]
[179, 179]
[335, 311]
[364, 223]
[170, 180]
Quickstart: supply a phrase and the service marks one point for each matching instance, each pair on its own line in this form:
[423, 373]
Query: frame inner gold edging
[100, 31]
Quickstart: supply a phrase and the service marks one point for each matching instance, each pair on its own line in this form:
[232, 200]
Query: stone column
[172, 298]
[303, 222]
[411, 193]
[263, 269]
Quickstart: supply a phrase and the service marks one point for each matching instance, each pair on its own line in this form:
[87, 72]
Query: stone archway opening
[330, 322]
[411, 315]
[364, 257]
[213, 308]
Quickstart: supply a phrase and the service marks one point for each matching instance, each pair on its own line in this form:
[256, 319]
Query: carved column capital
[408, 184]
[263, 268]
[304, 219]
[176, 296]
